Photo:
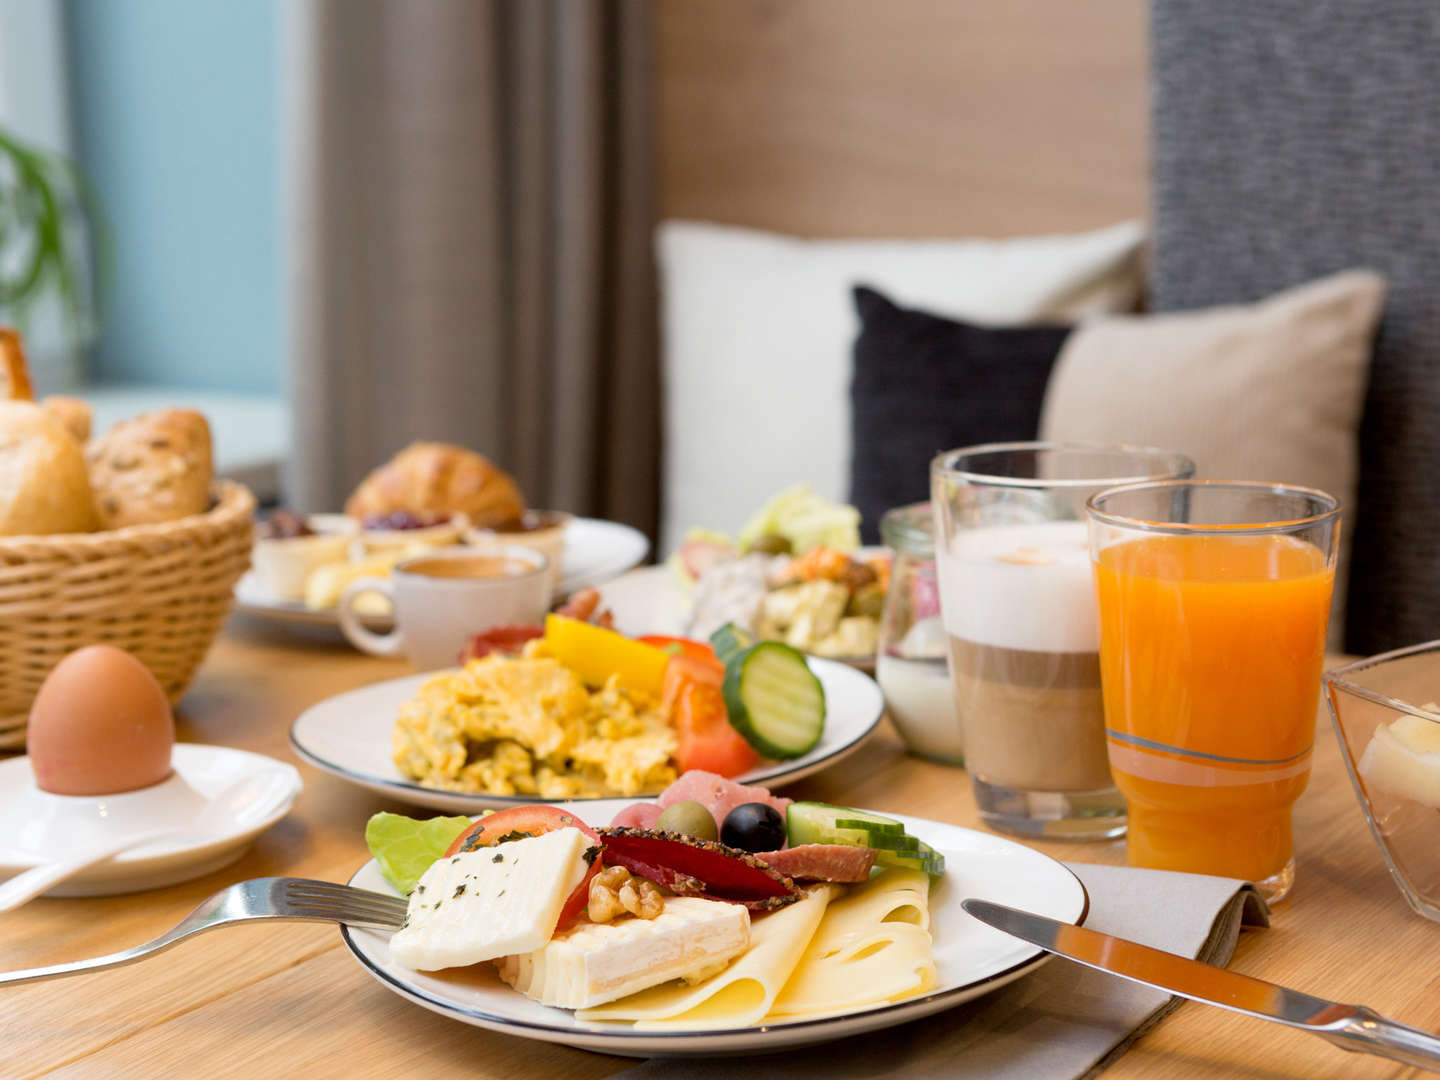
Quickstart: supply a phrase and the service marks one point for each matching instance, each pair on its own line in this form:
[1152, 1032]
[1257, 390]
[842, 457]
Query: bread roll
[437, 478]
[75, 415]
[151, 469]
[43, 486]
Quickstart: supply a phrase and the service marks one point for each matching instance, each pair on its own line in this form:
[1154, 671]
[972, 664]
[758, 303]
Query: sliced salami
[821, 862]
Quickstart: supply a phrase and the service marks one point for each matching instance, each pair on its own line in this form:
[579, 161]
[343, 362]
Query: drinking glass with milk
[911, 667]
[1022, 633]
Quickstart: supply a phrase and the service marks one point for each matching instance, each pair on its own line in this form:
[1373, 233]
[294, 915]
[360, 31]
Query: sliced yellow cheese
[872, 946]
[743, 992]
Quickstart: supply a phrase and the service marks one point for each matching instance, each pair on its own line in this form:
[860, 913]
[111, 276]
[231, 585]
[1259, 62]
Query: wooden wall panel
[902, 117]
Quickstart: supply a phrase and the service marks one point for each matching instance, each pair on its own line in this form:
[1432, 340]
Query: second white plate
[349, 736]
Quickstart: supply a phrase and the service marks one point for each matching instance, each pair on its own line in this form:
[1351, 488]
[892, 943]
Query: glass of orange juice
[1214, 598]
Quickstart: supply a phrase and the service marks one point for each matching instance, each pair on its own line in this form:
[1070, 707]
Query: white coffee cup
[443, 597]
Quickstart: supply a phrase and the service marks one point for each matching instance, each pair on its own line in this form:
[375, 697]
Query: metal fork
[249, 901]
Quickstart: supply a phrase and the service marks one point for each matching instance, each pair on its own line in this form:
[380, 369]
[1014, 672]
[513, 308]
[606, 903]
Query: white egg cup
[39, 827]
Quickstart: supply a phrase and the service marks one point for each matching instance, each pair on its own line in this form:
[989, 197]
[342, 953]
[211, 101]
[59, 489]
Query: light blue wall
[175, 105]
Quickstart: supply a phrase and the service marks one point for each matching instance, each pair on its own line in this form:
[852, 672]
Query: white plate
[37, 827]
[971, 958]
[652, 601]
[595, 552]
[349, 735]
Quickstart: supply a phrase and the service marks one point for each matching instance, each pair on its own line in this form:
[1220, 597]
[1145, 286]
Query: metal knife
[1350, 1027]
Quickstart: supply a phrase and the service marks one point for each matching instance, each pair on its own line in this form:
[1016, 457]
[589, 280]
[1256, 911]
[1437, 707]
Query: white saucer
[37, 827]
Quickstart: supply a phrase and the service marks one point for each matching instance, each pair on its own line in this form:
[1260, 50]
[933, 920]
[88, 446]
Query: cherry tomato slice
[704, 738]
[521, 821]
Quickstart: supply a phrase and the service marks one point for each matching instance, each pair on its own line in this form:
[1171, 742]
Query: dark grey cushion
[1293, 138]
[923, 384]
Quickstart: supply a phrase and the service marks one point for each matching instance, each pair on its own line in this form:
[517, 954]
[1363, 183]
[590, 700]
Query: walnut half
[615, 891]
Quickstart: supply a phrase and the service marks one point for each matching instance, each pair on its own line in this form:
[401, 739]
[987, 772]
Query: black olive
[754, 826]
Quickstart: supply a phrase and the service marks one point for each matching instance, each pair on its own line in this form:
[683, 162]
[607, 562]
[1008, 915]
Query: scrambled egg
[529, 726]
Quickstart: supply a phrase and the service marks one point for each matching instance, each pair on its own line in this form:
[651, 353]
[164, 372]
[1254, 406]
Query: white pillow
[758, 327]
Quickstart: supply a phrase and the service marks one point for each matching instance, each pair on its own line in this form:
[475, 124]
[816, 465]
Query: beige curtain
[471, 210]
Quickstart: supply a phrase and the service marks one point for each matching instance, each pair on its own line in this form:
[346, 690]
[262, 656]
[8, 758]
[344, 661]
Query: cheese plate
[971, 958]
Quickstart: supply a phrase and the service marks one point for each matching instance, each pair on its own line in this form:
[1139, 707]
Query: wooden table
[285, 1000]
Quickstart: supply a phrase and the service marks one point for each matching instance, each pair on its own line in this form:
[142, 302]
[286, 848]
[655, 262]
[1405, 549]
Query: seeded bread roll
[152, 469]
[435, 479]
[43, 486]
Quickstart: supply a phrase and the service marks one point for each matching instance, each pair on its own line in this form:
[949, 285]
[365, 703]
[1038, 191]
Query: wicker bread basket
[158, 591]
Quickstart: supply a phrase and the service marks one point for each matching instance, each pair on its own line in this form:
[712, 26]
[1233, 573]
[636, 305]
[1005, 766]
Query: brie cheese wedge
[592, 963]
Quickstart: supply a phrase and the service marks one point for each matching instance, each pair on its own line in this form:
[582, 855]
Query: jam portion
[284, 525]
[402, 520]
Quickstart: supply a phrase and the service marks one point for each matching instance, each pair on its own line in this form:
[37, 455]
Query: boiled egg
[100, 725]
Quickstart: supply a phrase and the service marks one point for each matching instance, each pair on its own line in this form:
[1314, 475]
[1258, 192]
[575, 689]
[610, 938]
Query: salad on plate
[796, 573]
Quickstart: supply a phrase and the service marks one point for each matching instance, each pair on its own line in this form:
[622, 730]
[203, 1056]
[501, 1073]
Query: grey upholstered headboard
[1297, 137]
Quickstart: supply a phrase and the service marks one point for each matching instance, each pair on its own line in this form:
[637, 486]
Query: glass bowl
[1385, 715]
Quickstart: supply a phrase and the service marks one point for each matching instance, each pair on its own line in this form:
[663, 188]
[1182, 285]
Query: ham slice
[640, 815]
[821, 862]
[717, 794]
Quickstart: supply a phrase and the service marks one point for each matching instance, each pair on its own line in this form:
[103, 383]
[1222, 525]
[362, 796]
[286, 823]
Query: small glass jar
[911, 665]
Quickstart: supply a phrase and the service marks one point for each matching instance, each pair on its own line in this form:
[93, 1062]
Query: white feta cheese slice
[592, 963]
[490, 902]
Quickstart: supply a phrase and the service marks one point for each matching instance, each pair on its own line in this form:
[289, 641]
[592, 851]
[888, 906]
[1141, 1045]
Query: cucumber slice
[821, 823]
[926, 858]
[870, 822]
[774, 700]
[730, 641]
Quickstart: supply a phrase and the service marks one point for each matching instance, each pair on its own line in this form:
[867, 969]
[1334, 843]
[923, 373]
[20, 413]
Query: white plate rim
[755, 1039]
[459, 802]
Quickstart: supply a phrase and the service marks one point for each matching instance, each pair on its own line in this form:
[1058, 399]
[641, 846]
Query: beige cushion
[1266, 391]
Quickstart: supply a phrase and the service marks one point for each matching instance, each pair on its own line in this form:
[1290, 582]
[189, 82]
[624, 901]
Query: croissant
[436, 478]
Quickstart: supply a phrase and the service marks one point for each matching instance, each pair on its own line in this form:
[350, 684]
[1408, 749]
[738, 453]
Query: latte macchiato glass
[1018, 603]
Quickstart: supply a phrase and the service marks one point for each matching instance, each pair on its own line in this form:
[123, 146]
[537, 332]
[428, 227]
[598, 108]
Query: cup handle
[364, 639]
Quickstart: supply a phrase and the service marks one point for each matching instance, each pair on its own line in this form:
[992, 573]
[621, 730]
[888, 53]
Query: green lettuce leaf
[405, 847]
[805, 519]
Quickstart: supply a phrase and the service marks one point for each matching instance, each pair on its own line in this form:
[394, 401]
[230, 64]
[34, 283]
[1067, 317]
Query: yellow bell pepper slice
[595, 653]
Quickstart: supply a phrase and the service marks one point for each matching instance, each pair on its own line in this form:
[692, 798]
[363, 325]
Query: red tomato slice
[681, 671]
[680, 646]
[704, 738]
[521, 821]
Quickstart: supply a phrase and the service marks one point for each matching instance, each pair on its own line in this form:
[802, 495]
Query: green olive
[689, 819]
[770, 544]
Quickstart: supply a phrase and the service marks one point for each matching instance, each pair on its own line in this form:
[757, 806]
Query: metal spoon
[218, 812]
